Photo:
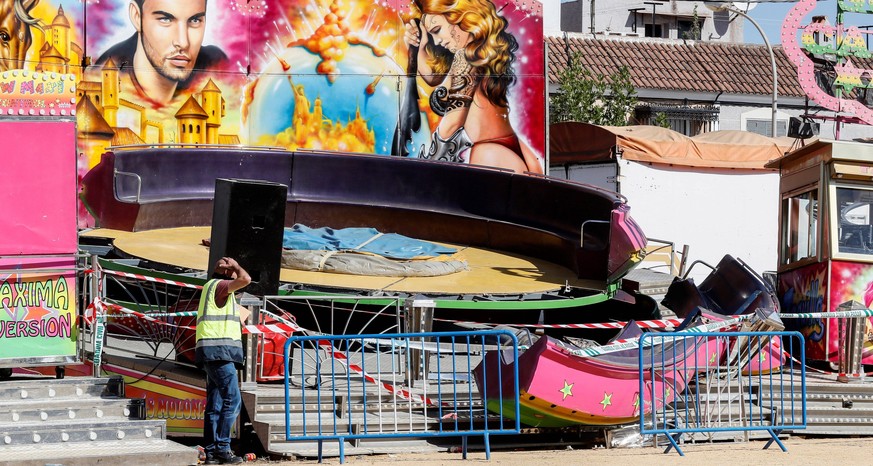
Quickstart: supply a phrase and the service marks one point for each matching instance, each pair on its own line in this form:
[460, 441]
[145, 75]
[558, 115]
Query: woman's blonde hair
[491, 50]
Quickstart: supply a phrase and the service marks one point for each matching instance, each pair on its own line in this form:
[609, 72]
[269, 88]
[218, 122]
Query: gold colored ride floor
[490, 272]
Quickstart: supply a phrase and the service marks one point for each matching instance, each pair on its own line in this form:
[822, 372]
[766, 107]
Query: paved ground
[843, 451]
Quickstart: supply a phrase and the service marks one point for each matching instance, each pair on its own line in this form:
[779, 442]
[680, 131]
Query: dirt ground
[842, 451]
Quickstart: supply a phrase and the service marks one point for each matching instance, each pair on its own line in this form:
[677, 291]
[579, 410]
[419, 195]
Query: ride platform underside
[489, 272]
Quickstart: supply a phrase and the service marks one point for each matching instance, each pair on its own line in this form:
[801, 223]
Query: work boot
[222, 457]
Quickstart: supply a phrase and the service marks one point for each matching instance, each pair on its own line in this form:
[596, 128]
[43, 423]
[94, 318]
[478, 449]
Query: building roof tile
[680, 65]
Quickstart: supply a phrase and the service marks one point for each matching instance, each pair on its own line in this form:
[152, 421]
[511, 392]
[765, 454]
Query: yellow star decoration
[667, 393]
[607, 400]
[712, 359]
[567, 390]
[763, 357]
[636, 401]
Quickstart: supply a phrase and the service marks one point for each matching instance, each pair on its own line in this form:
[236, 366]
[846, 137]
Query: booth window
[855, 229]
[799, 226]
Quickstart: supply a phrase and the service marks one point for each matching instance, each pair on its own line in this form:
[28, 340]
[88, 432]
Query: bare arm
[239, 277]
[415, 36]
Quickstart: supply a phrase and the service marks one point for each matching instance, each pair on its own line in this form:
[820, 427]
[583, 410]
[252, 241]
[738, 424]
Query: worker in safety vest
[219, 351]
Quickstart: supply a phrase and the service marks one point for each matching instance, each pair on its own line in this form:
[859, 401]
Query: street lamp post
[722, 6]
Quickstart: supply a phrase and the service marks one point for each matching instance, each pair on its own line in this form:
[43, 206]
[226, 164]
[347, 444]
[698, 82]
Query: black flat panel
[248, 221]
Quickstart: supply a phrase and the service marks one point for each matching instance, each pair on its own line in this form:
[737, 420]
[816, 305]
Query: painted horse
[15, 35]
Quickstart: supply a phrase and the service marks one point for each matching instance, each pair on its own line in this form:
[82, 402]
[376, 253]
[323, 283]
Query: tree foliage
[592, 98]
[695, 32]
[661, 120]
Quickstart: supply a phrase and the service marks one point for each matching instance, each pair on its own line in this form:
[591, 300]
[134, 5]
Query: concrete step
[856, 398]
[863, 387]
[353, 405]
[38, 410]
[276, 433]
[330, 448]
[309, 407]
[14, 391]
[374, 415]
[826, 414]
[146, 452]
[838, 406]
[80, 430]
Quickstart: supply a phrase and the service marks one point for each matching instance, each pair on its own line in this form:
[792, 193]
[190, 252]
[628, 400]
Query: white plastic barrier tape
[623, 345]
[284, 327]
[400, 392]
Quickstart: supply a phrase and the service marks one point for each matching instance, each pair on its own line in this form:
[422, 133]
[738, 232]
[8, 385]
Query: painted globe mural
[350, 105]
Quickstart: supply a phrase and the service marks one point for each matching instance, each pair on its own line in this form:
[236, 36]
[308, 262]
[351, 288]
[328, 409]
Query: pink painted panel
[850, 281]
[38, 309]
[805, 290]
[38, 187]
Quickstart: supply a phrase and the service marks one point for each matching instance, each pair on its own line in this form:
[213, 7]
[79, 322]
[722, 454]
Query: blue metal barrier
[413, 385]
[704, 383]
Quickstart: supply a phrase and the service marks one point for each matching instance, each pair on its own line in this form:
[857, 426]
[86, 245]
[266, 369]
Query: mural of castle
[198, 122]
[310, 128]
[325, 75]
[198, 119]
[57, 52]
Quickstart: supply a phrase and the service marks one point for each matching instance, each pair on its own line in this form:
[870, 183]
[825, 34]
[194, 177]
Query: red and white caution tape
[660, 324]
[159, 314]
[400, 392]
[152, 279]
[829, 315]
[622, 345]
[279, 328]
[284, 328]
[667, 323]
[93, 311]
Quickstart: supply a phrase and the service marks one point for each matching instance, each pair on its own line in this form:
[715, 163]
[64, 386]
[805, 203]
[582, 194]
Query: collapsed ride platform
[532, 243]
[538, 250]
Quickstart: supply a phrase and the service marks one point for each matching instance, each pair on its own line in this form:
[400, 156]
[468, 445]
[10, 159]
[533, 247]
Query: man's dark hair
[215, 272]
[139, 3]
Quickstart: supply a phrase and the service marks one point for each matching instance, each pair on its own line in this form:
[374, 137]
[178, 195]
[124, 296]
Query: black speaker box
[248, 221]
[802, 129]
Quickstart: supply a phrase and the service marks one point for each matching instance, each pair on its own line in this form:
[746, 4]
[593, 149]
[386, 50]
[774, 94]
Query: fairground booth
[39, 242]
[826, 243]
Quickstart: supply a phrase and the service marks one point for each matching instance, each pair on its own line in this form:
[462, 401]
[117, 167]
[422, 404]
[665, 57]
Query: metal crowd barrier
[694, 386]
[404, 385]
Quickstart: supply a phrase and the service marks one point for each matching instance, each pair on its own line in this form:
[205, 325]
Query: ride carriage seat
[732, 288]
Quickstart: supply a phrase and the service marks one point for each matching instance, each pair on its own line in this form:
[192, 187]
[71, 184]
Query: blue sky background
[770, 16]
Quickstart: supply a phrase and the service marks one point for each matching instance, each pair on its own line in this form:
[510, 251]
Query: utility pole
[592, 17]
[634, 12]
[725, 6]
[654, 5]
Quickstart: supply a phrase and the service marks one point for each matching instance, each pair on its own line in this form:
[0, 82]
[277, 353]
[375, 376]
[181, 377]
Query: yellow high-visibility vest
[217, 326]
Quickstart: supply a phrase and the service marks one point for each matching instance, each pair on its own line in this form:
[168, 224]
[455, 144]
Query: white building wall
[714, 211]
[551, 17]
[616, 17]
[734, 117]
[600, 174]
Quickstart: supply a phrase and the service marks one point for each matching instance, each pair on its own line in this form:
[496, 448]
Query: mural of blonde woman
[15, 35]
[466, 53]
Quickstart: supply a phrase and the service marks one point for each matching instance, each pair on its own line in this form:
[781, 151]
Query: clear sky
[770, 16]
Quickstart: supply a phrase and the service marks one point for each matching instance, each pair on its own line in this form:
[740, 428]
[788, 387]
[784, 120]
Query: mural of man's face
[171, 33]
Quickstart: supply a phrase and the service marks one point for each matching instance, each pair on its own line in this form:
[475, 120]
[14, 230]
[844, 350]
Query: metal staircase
[835, 408]
[81, 421]
[268, 421]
